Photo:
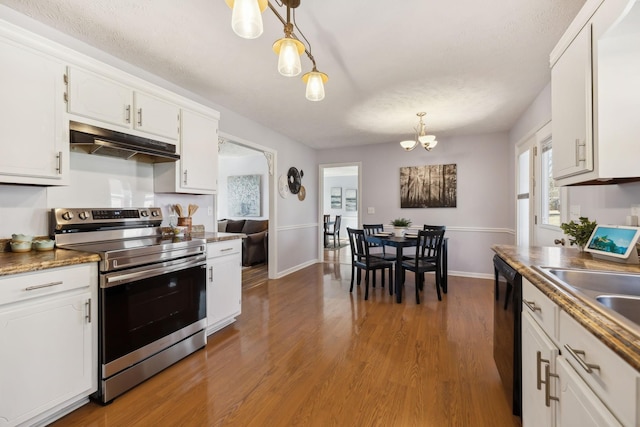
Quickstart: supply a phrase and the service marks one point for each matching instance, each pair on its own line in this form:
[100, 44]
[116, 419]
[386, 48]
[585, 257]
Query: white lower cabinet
[569, 377]
[48, 331]
[224, 283]
[538, 362]
[578, 405]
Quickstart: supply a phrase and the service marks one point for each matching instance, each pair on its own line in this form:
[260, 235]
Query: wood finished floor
[306, 352]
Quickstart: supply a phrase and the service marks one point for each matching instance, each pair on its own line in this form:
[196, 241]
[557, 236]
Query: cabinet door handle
[539, 362]
[139, 116]
[87, 306]
[547, 393]
[589, 367]
[127, 112]
[59, 161]
[211, 274]
[185, 177]
[44, 285]
[532, 305]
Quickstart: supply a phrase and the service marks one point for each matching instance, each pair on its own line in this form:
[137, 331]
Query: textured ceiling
[472, 66]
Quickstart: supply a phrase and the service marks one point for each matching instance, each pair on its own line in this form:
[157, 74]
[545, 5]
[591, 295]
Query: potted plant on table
[579, 232]
[400, 225]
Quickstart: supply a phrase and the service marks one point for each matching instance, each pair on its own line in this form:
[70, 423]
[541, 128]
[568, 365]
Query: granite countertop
[213, 237]
[13, 263]
[624, 341]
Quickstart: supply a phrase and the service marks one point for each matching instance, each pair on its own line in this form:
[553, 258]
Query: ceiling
[472, 66]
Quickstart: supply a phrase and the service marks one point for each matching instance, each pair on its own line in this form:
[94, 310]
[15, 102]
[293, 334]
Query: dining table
[399, 243]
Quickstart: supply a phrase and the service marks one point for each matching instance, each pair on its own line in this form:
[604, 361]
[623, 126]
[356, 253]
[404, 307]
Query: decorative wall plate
[302, 193]
[294, 180]
[283, 186]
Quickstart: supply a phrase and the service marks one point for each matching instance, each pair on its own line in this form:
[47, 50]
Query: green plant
[401, 222]
[579, 231]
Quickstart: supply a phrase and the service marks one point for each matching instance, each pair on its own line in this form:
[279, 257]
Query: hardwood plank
[307, 352]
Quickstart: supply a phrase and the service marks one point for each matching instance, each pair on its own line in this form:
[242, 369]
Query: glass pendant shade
[315, 81]
[246, 18]
[408, 145]
[289, 51]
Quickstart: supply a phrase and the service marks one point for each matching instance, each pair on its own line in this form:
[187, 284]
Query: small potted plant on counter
[579, 232]
[400, 225]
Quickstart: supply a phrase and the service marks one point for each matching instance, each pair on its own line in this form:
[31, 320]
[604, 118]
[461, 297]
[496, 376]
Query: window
[549, 193]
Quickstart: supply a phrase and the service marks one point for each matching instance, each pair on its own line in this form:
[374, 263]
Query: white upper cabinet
[100, 98]
[571, 105]
[197, 170]
[595, 87]
[155, 116]
[34, 145]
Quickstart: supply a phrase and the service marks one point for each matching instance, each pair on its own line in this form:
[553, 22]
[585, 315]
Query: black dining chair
[361, 260]
[428, 258]
[379, 250]
[326, 219]
[333, 231]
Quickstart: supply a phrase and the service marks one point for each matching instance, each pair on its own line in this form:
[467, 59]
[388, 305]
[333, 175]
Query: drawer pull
[532, 305]
[226, 249]
[44, 285]
[589, 367]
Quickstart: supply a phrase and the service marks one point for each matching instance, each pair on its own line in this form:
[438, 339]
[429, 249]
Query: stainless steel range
[152, 296]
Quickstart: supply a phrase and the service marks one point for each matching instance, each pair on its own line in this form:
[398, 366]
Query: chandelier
[428, 142]
[246, 21]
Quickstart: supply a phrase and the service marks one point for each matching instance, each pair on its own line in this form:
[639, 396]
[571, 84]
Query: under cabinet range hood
[105, 142]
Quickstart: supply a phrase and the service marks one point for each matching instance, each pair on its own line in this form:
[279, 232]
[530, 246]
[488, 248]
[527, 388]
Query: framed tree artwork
[430, 186]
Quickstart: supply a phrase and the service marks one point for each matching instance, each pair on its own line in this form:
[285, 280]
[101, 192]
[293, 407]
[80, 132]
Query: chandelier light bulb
[315, 81]
[289, 51]
[246, 18]
[408, 145]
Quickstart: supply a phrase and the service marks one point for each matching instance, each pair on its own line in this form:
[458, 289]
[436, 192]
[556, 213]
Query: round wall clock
[294, 180]
[302, 193]
[283, 186]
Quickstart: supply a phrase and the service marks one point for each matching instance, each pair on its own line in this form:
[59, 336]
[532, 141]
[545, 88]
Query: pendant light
[246, 18]
[247, 22]
[428, 142]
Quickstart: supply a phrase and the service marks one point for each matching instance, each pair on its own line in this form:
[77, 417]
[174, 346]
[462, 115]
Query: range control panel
[68, 218]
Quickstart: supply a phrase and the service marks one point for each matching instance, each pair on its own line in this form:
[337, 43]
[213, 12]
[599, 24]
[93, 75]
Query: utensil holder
[185, 221]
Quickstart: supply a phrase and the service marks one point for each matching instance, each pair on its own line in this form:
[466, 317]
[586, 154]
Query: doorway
[340, 195]
[245, 163]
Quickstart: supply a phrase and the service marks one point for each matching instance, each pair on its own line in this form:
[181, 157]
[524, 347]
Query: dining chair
[371, 229]
[361, 260]
[333, 231]
[326, 219]
[428, 258]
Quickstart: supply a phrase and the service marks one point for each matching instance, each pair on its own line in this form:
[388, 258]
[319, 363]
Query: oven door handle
[123, 277]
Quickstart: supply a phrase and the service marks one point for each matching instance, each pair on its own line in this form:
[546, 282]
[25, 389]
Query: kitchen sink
[627, 306]
[613, 293]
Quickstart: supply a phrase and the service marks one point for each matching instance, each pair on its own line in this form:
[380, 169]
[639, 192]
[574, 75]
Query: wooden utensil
[179, 210]
[192, 209]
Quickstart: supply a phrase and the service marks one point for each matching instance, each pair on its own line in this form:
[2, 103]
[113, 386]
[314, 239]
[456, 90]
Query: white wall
[245, 165]
[481, 217]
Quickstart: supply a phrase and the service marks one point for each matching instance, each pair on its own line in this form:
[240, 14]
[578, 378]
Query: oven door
[147, 309]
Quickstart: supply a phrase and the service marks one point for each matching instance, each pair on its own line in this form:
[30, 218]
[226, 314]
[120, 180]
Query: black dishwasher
[507, 340]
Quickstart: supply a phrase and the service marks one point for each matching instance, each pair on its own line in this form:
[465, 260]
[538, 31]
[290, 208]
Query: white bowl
[20, 246]
[43, 245]
[21, 237]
